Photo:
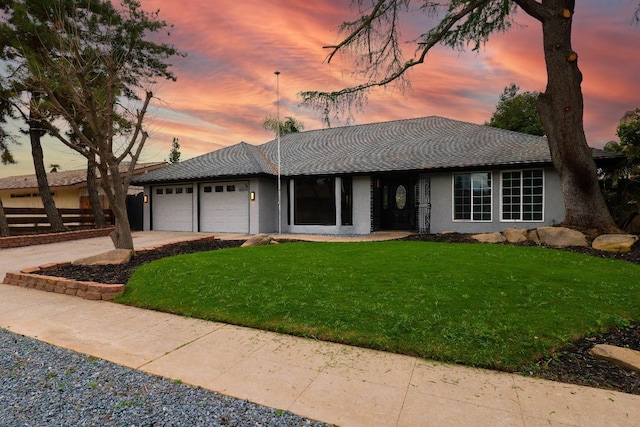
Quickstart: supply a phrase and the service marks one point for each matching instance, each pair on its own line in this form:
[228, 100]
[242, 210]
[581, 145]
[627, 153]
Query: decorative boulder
[624, 357]
[614, 242]
[532, 235]
[489, 238]
[115, 256]
[514, 235]
[561, 237]
[258, 240]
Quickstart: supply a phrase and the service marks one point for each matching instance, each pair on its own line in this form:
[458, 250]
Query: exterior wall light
[145, 198]
[252, 195]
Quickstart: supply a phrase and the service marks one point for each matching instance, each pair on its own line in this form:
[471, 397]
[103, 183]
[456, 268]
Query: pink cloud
[226, 85]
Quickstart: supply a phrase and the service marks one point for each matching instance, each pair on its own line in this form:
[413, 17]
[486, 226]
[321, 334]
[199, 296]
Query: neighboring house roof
[427, 143]
[72, 178]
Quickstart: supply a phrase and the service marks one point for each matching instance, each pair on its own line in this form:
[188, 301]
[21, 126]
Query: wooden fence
[30, 220]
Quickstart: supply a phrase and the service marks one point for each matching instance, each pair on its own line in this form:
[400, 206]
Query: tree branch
[442, 33]
[138, 128]
[532, 7]
[365, 25]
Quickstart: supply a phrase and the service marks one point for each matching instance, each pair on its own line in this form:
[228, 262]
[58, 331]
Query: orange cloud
[226, 85]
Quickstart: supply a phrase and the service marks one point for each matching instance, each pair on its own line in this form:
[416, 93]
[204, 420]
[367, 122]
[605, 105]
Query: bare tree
[379, 60]
[98, 78]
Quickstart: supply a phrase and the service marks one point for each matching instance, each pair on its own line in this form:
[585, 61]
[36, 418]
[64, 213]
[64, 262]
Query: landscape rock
[624, 357]
[258, 240]
[115, 256]
[614, 242]
[561, 237]
[514, 235]
[489, 237]
[532, 235]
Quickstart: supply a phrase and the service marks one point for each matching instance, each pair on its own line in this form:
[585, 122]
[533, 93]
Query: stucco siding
[361, 193]
[264, 209]
[442, 205]
[362, 204]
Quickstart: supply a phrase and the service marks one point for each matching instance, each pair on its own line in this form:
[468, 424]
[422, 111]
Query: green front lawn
[495, 306]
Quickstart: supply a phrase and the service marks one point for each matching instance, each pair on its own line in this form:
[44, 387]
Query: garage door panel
[224, 207]
[172, 208]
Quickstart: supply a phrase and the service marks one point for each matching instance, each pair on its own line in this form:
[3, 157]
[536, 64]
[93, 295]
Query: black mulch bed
[120, 273]
[571, 365]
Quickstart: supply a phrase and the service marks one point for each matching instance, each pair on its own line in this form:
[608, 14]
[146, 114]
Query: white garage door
[172, 208]
[224, 207]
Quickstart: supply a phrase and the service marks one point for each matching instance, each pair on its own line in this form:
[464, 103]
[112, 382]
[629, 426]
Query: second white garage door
[224, 207]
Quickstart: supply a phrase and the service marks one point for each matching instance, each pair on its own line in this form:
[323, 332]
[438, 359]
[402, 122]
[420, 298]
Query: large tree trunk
[116, 193]
[561, 111]
[4, 224]
[35, 133]
[94, 198]
[121, 236]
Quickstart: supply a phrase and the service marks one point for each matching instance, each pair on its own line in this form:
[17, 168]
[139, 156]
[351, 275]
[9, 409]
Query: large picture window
[523, 195]
[315, 201]
[472, 196]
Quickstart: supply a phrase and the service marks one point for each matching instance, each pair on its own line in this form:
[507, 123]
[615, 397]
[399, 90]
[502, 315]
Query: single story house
[428, 174]
[69, 188]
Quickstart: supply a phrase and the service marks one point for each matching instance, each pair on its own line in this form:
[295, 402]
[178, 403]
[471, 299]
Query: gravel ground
[44, 385]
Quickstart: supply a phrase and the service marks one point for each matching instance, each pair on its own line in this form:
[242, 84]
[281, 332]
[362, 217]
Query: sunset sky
[226, 85]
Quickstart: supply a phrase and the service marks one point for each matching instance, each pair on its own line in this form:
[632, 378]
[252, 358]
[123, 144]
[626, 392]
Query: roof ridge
[256, 154]
[273, 168]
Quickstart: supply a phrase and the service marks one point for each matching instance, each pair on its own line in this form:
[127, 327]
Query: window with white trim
[523, 195]
[472, 196]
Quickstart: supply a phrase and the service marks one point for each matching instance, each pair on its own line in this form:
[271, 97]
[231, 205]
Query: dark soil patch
[571, 365]
[120, 273]
[575, 365]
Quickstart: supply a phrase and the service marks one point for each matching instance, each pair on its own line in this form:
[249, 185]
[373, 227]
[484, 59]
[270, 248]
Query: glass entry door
[396, 203]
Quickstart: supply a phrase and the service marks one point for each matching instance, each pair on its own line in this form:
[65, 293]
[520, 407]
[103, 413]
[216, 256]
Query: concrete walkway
[334, 383]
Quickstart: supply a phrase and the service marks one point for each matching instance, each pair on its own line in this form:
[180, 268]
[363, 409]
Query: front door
[396, 203]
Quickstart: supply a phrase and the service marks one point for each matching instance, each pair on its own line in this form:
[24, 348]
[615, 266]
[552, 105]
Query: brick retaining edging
[60, 285]
[40, 239]
[34, 279]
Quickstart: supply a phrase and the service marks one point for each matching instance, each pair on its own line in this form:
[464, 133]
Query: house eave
[188, 180]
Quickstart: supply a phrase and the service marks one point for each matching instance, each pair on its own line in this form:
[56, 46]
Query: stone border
[40, 239]
[560, 237]
[60, 285]
[34, 278]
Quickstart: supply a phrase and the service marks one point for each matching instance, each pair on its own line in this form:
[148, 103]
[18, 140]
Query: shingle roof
[427, 143]
[239, 159]
[76, 177]
[413, 144]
